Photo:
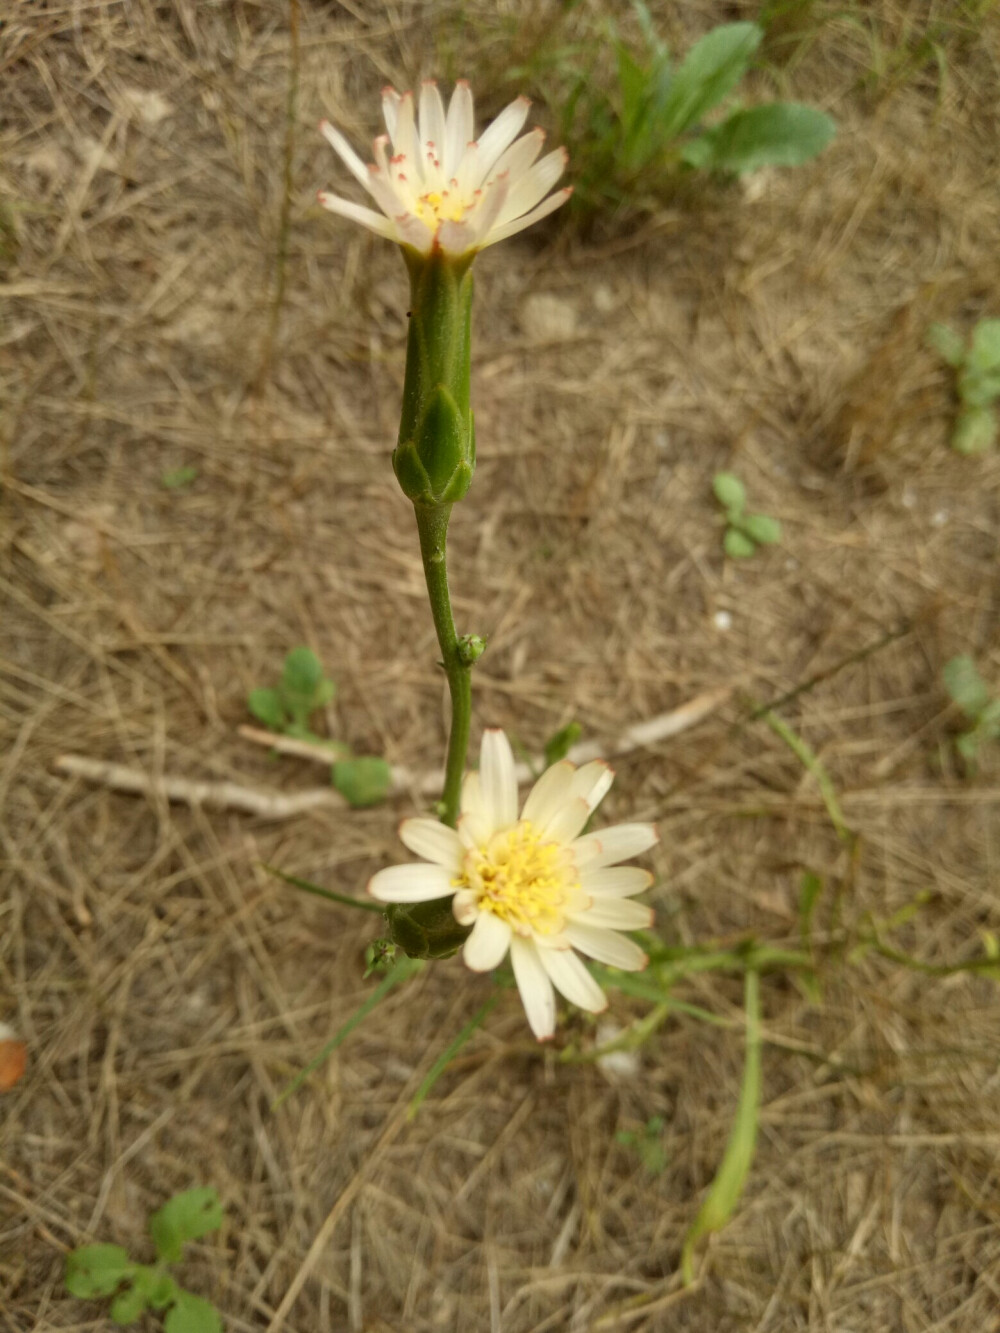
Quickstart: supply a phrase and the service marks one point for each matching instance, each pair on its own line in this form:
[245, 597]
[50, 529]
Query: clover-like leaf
[737, 545]
[192, 1314]
[729, 491]
[965, 685]
[363, 781]
[267, 707]
[761, 528]
[97, 1270]
[303, 672]
[187, 1216]
[949, 345]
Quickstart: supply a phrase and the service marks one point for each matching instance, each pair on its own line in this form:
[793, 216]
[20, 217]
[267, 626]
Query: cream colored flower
[438, 186]
[532, 884]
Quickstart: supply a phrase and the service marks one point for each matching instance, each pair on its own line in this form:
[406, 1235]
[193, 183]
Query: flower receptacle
[436, 454]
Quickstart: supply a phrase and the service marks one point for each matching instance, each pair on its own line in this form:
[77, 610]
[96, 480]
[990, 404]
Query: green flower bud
[436, 454]
[471, 648]
[426, 930]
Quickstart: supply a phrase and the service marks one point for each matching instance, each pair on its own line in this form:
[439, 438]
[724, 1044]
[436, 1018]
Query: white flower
[532, 884]
[437, 185]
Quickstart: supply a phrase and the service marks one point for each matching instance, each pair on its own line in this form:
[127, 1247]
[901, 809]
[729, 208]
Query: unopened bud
[470, 648]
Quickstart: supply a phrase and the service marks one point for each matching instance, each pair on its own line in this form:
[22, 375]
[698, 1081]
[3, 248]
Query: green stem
[432, 525]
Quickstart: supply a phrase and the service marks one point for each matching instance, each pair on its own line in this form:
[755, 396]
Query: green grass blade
[401, 971]
[810, 761]
[447, 1055]
[329, 894]
[725, 1190]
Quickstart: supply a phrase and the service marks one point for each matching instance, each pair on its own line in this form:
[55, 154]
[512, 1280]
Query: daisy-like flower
[439, 186]
[531, 883]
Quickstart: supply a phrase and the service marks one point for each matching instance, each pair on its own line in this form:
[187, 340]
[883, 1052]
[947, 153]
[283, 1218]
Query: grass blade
[725, 1190]
[447, 1055]
[401, 971]
[810, 761]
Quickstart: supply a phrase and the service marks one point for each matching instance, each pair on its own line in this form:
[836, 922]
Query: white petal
[414, 232]
[534, 185]
[473, 824]
[458, 129]
[501, 134]
[345, 152]
[490, 206]
[467, 170]
[564, 826]
[358, 213]
[549, 794]
[465, 907]
[616, 914]
[433, 841]
[607, 946]
[501, 233]
[456, 237]
[404, 140]
[486, 946]
[533, 982]
[616, 843]
[519, 156]
[415, 883]
[593, 782]
[382, 189]
[390, 110]
[615, 882]
[432, 118]
[571, 979]
[498, 780]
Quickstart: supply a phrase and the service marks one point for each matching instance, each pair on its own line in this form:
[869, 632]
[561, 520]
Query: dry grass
[168, 988]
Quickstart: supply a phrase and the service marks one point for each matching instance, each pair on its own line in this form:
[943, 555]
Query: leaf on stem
[724, 1192]
[97, 1270]
[187, 1216]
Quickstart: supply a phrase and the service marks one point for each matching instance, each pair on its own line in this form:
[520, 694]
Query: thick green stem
[432, 525]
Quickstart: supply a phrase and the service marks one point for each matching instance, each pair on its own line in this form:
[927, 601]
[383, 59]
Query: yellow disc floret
[521, 879]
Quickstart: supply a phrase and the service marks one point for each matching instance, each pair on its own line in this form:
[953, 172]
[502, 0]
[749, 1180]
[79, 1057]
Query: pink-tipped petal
[535, 987]
[345, 152]
[506, 229]
[501, 134]
[606, 946]
[572, 980]
[615, 881]
[433, 841]
[358, 213]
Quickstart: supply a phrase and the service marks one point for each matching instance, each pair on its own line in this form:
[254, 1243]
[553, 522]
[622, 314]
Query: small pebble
[722, 620]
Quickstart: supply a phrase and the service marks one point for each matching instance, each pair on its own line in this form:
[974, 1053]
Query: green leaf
[711, 69]
[97, 1270]
[729, 491]
[325, 694]
[129, 1304]
[632, 84]
[177, 477]
[187, 1216]
[965, 685]
[561, 742]
[984, 353]
[363, 781]
[760, 528]
[975, 431]
[192, 1314]
[988, 725]
[303, 672]
[725, 1190]
[266, 706]
[949, 345]
[162, 1292]
[736, 545]
[978, 388]
[783, 134]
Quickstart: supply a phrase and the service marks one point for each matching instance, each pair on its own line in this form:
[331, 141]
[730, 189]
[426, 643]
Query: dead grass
[168, 988]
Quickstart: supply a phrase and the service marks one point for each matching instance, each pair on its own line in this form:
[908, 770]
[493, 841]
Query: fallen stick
[279, 805]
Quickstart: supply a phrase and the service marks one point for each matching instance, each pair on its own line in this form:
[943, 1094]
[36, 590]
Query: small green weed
[107, 1270]
[302, 690]
[650, 125]
[647, 1143]
[744, 532]
[176, 478]
[978, 382]
[972, 695]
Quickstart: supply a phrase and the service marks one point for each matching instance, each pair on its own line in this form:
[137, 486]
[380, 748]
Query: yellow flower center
[446, 206]
[521, 879]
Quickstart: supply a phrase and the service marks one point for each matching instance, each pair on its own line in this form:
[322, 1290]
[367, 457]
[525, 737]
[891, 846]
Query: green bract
[436, 454]
[426, 930]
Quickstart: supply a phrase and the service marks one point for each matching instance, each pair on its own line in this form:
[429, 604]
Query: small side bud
[470, 649]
